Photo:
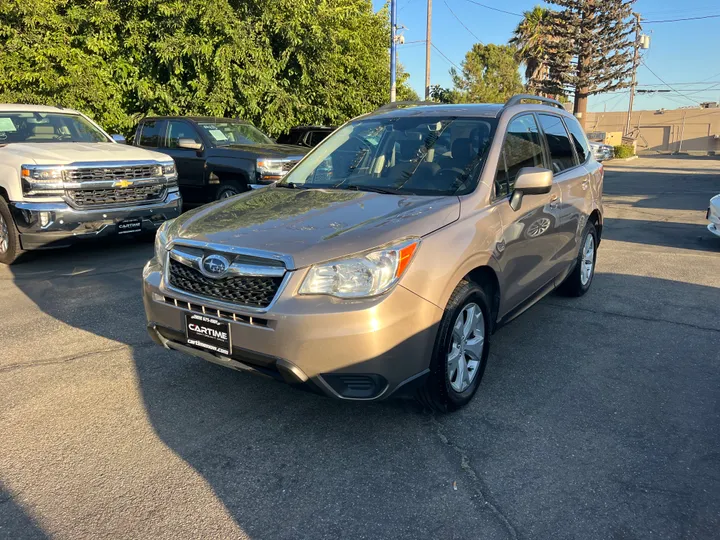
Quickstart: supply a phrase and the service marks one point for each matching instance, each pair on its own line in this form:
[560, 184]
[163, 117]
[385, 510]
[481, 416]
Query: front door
[530, 234]
[189, 163]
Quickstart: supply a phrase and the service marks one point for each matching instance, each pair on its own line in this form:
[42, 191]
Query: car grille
[257, 292]
[287, 165]
[134, 172]
[113, 196]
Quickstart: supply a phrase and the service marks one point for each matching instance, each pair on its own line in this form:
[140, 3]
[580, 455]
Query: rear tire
[579, 281]
[460, 352]
[10, 248]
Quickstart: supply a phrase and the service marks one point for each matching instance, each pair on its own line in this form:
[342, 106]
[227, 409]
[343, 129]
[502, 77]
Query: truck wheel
[10, 248]
[228, 189]
[460, 352]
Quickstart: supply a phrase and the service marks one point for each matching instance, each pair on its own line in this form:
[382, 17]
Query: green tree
[591, 52]
[277, 63]
[490, 74]
[532, 38]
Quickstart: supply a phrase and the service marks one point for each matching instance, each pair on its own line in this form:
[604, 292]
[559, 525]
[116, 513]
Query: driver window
[522, 148]
[177, 130]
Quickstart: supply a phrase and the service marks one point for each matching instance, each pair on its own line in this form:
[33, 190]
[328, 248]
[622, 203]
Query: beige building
[696, 131]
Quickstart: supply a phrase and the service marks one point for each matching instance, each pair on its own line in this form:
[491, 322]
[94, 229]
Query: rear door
[530, 235]
[568, 154]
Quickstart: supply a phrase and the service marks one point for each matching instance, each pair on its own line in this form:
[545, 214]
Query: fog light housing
[44, 219]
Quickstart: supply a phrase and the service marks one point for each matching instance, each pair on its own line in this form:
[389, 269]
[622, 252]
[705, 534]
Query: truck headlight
[42, 180]
[168, 168]
[270, 170]
[361, 276]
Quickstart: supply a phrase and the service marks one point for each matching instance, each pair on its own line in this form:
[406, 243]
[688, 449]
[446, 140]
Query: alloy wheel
[4, 235]
[466, 348]
[588, 260]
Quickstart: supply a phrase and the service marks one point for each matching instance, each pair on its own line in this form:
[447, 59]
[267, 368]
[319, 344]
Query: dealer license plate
[207, 333]
[128, 226]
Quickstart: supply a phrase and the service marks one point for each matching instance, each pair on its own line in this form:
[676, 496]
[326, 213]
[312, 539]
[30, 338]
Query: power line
[684, 19]
[493, 8]
[666, 84]
[462, 23]
[445, 57]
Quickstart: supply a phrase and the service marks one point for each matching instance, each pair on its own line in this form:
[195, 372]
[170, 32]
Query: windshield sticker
[218, 135]
[6, 125]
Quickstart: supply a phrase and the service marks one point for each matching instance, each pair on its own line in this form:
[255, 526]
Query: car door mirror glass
[189, 144]
[530, 181]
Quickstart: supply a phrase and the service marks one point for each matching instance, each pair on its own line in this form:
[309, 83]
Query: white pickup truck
[63, 178]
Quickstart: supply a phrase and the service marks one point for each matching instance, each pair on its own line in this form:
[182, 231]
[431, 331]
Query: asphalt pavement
[598, 417]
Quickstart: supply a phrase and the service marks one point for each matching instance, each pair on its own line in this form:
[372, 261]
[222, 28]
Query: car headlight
[168, 168]
[42, 180]
[361, 276]
[161, 242]
[271, 170]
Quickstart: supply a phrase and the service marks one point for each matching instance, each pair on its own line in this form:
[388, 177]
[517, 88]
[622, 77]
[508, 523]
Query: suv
[383, 262]
[63, 178]
[308, 136]
[217, 158]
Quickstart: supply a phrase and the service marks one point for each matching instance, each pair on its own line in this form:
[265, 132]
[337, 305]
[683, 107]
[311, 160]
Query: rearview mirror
[189, 144]
[530, 181]
[118, 139]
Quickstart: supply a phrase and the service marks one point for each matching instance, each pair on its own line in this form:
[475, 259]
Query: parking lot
[597, 418]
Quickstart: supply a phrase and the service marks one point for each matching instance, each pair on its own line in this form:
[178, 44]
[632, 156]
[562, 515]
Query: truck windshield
[415, 155]
[35, 127]
[227, 132]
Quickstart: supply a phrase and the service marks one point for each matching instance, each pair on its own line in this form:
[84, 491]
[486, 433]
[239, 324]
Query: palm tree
[531, 39]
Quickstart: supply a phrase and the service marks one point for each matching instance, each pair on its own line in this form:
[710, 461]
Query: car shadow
[661, 233]
[289, 464]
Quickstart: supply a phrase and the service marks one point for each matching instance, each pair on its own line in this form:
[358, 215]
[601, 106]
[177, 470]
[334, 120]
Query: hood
[268, 150]
[315, 225]
[67, 153]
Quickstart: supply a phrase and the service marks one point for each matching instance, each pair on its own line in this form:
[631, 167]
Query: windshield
[35, 127]
[416, 155]
[225, 132]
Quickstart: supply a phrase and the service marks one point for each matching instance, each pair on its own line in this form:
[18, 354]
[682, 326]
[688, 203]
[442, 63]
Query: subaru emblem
[215, 266]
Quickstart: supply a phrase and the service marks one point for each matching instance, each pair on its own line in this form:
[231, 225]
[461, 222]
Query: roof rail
[399, 104]
[519, 98]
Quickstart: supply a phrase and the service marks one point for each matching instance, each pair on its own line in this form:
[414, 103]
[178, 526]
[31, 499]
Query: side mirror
[530, 181]
[189, 144]
[118, 139]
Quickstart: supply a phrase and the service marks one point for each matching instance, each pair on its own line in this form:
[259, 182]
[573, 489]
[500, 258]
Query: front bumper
[713, 215]
[57, 224]
[357, 350]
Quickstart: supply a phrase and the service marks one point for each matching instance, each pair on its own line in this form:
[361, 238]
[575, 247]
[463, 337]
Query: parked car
[308, 136]
[602, 152]
[713, 215]
[391, 278]
[217, 158]
[62, 178]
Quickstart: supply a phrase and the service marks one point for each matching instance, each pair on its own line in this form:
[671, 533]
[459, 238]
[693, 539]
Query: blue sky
[681, 53]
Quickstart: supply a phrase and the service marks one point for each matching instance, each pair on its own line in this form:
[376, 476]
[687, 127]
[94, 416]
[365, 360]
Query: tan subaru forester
[381, 263]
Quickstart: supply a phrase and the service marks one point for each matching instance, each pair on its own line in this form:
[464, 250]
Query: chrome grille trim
[219, 313]
[111, 173]
[236, 269]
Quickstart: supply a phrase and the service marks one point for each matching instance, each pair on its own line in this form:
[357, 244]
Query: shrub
[624, 151]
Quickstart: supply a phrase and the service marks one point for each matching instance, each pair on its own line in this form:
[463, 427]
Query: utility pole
[427, 50]
[636, 56]
[393, 49]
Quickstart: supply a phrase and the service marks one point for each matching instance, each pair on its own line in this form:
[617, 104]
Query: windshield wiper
[372, 189]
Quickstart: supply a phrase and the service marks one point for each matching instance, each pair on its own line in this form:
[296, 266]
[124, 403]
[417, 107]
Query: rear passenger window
[150, 134]
[561, 152]
[578, 138]
[521, 148]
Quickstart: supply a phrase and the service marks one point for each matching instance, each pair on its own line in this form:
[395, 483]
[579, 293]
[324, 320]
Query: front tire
[460, 352]
[10, 248]
[227, 190]
[579, 281]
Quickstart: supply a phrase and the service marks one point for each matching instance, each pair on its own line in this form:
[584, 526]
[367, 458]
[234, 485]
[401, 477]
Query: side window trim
[547, 145]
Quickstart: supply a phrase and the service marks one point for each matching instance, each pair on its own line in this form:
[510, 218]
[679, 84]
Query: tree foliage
[532, 39]
[490, 74]
[278, 63]
[591, 52]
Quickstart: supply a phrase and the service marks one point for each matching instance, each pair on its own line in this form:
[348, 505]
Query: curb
[631, 158]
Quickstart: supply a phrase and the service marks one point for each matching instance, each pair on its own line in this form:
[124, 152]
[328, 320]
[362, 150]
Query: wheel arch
[596, 219]
[486, 277]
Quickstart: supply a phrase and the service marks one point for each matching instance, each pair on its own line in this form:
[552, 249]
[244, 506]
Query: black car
[216, 158]
[307, 136]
